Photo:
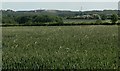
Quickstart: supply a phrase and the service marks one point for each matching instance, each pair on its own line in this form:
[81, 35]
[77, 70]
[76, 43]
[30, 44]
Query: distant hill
[39, 17]
[61, 13]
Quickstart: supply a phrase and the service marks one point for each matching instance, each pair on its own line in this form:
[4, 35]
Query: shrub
[114, 18]
[98, 22]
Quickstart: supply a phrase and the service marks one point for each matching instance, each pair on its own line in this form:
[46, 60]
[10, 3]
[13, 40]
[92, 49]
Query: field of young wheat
[60, 47]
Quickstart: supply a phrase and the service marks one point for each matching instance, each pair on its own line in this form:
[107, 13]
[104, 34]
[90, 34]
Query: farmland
[82, 21]
[60, 47]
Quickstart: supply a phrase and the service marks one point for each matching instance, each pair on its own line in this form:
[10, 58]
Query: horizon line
[59, 9]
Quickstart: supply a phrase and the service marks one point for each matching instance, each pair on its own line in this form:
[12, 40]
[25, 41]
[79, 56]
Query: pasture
[78, 21]
[84, 21]
[60, 47]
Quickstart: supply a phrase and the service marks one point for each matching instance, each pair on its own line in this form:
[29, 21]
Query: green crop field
[83, 21]
[60, 47]
[78, 21]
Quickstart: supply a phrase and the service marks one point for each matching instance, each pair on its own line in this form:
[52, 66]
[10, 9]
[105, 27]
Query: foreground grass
[63, 47]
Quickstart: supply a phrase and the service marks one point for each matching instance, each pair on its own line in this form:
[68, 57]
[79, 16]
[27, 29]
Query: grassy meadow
[60, 47]
[84, 21]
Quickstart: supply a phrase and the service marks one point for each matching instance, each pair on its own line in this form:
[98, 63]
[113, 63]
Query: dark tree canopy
[114, 18]
[22, 19]
[103, 16]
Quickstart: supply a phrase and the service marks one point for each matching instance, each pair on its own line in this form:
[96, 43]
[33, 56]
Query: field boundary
[66, 24]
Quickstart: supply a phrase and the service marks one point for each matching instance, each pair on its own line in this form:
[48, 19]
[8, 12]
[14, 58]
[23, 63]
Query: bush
[114, 18]
[23, 19]
[103, 16]
[98, 22]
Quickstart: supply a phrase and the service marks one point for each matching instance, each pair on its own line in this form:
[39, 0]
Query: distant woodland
[58, 17]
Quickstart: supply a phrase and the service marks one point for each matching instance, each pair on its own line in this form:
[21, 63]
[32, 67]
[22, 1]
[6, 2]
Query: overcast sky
[75, 6]
[59, 0]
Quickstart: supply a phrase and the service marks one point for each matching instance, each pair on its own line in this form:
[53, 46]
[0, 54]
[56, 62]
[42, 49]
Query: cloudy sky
[75, 6]
[59, 0]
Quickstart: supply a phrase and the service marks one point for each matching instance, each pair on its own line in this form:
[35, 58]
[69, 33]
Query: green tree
[23, 19]
[114, 18]
[103, 17]
[59, 20]
[98, 22]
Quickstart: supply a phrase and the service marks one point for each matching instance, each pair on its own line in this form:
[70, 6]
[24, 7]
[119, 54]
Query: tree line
[114, 17]
[31, 19]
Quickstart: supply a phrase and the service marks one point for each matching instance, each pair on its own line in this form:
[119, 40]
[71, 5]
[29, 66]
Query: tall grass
[60, 47]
